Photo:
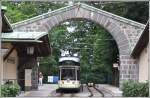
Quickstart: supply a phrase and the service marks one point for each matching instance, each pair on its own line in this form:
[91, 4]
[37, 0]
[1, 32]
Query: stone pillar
[35, 77]
[28, 79]
[128, 69]
[28, 63]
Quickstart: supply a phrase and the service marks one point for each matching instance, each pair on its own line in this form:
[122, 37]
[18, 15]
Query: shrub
[135, 89]
[10, 90]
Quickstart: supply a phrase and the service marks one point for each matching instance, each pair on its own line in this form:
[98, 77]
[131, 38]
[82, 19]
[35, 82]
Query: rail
[91, 92]
[99, 91]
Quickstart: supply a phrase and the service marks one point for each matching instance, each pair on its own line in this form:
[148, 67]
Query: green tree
[137, 11]
[18, 11]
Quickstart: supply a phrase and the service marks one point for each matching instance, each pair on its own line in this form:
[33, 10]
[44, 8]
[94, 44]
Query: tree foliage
[137, 11]
[21, 10]
[97, 48]
[135, 89]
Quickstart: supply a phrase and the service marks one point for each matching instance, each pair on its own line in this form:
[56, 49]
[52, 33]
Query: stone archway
[124, 31]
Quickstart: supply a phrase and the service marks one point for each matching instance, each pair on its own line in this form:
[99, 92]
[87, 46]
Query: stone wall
[128, 68]
[35, 76]
[143, 65]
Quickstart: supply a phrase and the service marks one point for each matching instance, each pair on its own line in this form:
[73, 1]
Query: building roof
[23, 36]
[142, 42]
[22, 40]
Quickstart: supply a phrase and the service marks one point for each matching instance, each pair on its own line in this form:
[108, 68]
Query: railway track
[95, 92]
[61, 93]
[67, 95]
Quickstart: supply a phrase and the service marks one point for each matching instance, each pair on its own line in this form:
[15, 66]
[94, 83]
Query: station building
[140, 52]
[20, 53]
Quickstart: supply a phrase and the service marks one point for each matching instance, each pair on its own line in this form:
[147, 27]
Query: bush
[135, 89]
[10, 90]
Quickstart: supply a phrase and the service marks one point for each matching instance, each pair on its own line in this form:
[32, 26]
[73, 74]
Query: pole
[1, 63]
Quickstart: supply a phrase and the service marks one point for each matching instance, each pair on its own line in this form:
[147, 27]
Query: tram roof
[75, 59]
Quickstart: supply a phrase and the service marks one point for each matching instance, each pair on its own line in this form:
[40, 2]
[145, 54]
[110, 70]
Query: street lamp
[30, 50]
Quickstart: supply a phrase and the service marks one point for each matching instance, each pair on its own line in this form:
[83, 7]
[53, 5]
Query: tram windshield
[68, 74]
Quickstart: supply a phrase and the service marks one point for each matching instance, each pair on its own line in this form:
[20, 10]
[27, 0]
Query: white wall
[10, 64]
[143, 65]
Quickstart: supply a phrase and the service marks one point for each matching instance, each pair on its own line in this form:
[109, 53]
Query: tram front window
[68, 74]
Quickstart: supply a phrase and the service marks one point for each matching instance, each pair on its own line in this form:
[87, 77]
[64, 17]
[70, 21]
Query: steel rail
[99, 91]
[91, 94]
[61, 94]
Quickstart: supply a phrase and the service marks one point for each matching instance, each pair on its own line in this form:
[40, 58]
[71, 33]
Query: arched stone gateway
[126, 32]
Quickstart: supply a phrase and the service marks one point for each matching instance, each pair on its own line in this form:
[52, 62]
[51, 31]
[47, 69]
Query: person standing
[40, 78]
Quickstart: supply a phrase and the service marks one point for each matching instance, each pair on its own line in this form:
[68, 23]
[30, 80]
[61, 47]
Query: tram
[69, 73]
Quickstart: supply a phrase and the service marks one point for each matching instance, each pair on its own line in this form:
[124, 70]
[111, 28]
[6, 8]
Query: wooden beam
[10, 51]
[38, 50]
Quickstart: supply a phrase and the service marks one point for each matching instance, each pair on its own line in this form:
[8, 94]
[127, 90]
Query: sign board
[28, 77]
[50, 79]
[11, 60]
[53, 79]
[115, 65]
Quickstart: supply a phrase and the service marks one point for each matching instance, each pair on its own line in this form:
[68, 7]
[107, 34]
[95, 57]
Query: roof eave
[20, 41]
[144, 36]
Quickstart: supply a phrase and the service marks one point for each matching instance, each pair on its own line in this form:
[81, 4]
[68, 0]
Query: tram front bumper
[69, 85]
